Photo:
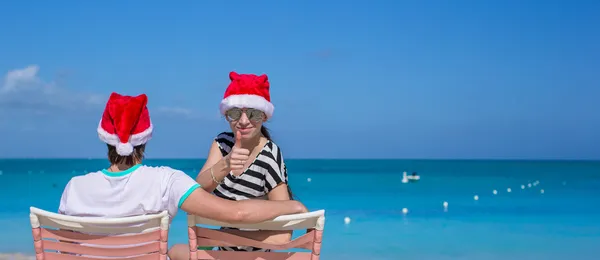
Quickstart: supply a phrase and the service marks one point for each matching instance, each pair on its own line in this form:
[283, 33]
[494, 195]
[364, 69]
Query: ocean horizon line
[332, 159]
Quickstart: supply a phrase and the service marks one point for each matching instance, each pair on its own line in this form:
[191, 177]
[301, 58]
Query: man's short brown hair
[136, 156]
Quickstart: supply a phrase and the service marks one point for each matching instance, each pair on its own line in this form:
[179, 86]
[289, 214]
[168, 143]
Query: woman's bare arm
[275, 237]
[204, 204]
[220, 169]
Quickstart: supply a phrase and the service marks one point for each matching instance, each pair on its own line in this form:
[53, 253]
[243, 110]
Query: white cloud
[175, 110]
[24, 90]
[21, 78]
[182, 112]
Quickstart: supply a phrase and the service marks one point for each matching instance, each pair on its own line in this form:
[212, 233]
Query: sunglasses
[235, 114]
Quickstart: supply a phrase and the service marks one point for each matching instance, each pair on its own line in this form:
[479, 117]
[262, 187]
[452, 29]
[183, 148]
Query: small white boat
[414, 177]
[406, 178]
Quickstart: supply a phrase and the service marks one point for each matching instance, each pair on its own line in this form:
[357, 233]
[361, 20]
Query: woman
[256, 169]
[129, 188]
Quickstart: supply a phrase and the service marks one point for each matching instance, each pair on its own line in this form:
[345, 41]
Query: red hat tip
[233, 75]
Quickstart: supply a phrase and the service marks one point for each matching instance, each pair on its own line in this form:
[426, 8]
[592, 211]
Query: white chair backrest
[57, 236]
[134, 224]
[310, 220]
[207, 238]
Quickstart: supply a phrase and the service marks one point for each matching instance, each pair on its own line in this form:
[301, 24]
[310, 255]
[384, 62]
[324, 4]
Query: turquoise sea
[563, 222]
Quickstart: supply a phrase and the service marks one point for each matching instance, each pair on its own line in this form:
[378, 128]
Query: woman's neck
[252, 143]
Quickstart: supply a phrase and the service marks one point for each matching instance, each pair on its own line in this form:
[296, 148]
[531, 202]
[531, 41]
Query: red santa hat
[248, 91]
[125, 122]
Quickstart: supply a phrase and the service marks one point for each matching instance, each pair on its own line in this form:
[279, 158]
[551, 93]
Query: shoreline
[16, 256]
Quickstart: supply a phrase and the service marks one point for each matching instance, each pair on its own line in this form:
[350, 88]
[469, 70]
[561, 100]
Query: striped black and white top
[266, 172]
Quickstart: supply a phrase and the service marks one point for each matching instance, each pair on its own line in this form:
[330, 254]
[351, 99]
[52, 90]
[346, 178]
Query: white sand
[16, 256]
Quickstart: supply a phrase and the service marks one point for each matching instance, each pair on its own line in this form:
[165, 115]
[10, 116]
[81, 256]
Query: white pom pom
[124, 149]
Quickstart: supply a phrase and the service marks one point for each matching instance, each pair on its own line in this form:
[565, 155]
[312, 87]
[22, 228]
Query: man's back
[138, 190]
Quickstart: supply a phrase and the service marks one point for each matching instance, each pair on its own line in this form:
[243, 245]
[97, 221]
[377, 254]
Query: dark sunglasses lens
[234, 114]
[254, 114]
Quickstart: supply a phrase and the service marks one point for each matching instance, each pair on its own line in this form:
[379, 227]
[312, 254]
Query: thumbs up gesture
[238, 156]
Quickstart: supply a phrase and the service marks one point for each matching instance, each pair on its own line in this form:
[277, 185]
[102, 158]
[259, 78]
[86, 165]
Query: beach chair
[312, 222]
[61, 237]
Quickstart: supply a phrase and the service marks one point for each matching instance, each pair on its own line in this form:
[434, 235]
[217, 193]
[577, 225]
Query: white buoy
[445, 204]
[495, 192]
[404, 211]
[347, 220]
[476, 197]
[529, 185]
[508, 190]
[522, 187]
[542, 191]
[308, 179]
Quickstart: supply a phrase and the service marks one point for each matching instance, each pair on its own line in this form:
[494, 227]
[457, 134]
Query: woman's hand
[238, 156]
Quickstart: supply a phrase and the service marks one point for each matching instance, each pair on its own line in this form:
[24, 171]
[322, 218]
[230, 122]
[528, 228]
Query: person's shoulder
[273, 147]
[225, 140]
[160, 170]
[225, 135]
[84, 180]
[87, 177]
[163, 173]
[274, 152]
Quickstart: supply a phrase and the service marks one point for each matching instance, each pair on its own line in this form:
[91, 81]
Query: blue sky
[350, 79]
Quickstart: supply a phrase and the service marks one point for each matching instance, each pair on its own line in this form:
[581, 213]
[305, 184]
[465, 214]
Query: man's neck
[121, 167]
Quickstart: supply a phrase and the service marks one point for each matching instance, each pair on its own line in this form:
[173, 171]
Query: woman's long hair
[265, 132]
